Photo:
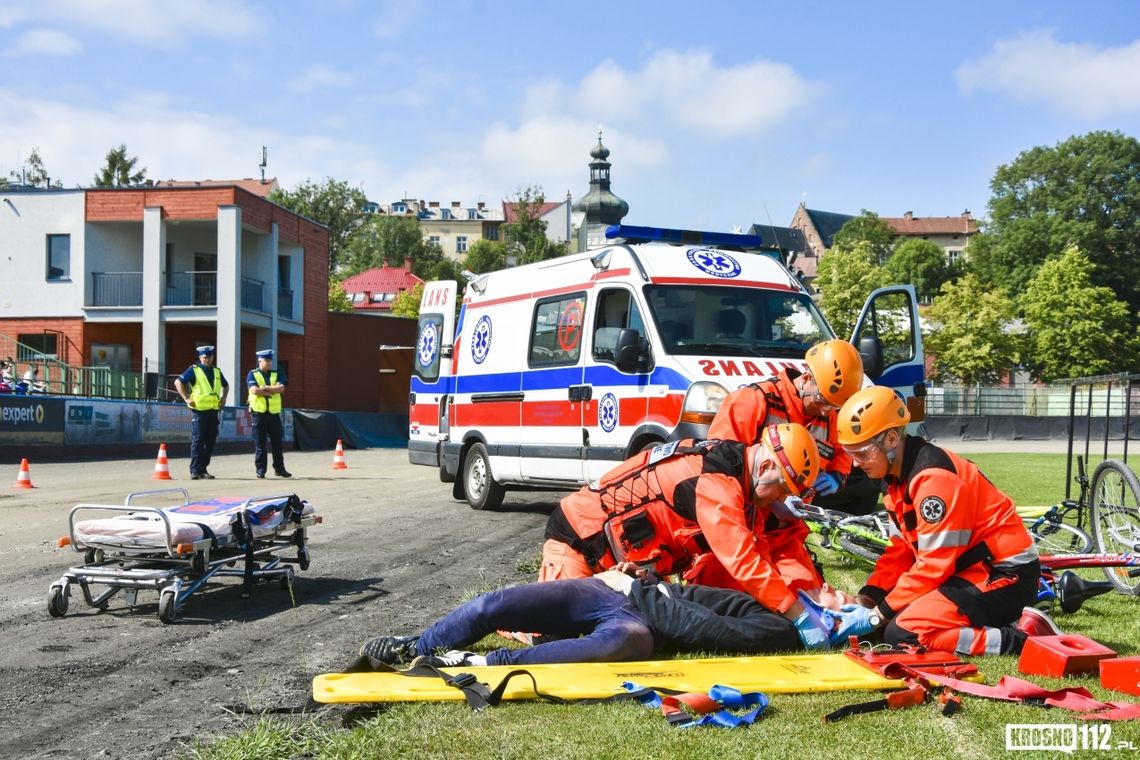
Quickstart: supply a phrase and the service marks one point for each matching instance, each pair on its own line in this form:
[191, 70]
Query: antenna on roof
[264, 161]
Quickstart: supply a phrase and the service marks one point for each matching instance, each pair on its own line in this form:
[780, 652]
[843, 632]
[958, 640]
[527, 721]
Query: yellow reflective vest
[261, 404]
[205, 394]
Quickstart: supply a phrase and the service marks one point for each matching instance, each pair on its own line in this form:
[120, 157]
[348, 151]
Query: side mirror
[628, 352]
[871, 352]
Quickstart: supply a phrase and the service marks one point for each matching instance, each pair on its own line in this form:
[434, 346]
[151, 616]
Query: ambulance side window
[615, 311]
[428, 347]
[556, 333]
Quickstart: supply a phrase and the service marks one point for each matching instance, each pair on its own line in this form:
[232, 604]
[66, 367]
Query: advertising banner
[29, 419]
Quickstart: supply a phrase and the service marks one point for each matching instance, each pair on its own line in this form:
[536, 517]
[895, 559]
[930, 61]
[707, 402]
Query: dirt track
[394, 552]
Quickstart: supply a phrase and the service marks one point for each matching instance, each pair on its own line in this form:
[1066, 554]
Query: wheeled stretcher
[176, 549]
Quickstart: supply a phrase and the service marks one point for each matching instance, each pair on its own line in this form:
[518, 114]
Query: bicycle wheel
[1115, 504]
[862, 538]
[1057, 538]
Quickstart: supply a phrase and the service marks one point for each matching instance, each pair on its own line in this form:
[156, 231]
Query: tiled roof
[511, 212]
[827, 223]
[909, 226]
[255, 186]
[379, 280]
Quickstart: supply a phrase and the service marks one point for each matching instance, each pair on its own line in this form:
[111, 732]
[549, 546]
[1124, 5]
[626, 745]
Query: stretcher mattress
[212, 518]
[788, 674]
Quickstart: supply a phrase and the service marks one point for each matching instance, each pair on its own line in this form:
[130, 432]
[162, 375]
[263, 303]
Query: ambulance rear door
[432, 370]
[889, 338]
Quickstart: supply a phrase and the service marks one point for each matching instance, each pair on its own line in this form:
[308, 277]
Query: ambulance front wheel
[482, 490]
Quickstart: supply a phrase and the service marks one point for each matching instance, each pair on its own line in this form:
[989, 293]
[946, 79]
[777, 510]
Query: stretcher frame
[177, 570]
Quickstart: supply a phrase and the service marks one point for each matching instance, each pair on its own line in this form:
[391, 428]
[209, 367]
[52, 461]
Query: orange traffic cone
[161, 465]
[24, 480]
[338, 457]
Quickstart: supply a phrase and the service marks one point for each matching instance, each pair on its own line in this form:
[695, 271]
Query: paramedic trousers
[596, 623]
[267, 425]
[972, 613]
[204, 432]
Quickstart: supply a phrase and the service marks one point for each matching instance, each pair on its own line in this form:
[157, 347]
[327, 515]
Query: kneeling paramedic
[610, 617]
[810, 398]
[701, 509]
[960, 566]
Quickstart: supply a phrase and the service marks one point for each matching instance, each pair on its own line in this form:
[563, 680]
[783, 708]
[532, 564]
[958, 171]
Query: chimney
[433, 204]
[421, 205]
[481, 205]
[908, 215]
[455, 204]
[408, 264]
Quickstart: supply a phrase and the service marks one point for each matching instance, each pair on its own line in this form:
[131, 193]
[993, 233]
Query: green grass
[791, 727]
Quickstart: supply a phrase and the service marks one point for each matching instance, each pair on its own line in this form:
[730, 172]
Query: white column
[229, 300]
[153, 265]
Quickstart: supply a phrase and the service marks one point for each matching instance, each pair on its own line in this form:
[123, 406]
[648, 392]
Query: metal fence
[117, 288]
[1113, 396]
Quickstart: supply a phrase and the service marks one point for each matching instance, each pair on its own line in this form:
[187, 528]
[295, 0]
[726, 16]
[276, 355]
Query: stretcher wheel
[93, 556]
[57, 601]
[483, 492]
[198, 563]
[168, 606]
[303, 557]
[286, 579]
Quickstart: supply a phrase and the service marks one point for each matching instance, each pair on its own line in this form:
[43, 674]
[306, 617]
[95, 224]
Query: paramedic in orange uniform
[960, 566]
[686, 500]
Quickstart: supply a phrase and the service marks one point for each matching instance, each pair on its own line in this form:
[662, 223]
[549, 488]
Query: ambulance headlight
[702, 402]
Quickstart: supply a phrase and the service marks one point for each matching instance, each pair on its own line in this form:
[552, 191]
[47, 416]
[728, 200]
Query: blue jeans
[598, 623]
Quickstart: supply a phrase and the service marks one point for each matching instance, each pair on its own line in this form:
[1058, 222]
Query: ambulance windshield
[710, 320]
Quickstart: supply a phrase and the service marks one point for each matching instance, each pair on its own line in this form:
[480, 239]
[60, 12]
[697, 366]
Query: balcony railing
[285, 303]
[191, 289]
[117, 288]
[252, 294]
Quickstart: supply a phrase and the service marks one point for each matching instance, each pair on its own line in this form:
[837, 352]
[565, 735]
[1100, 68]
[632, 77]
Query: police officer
[204, 389]
[265, 388]
[960, 571]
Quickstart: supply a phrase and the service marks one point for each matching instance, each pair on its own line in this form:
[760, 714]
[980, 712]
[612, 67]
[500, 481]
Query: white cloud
[320, 77]
[685, 90]
[146, 21]
[44, 42]
[170, 143]
[1067, 77]
[396, 16]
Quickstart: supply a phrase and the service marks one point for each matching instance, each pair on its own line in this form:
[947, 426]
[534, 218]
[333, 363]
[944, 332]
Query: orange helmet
[870, 412]
[794, 449]
[837, 369]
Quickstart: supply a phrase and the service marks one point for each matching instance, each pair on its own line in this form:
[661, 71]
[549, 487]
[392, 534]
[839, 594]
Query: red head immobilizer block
[1064, 655]
[1121, 674]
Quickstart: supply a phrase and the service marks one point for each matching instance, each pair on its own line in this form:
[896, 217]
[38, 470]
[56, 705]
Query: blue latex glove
[854, 620]
[826, 484]
[814, 624]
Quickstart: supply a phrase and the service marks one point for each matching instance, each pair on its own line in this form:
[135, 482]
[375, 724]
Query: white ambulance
[555, 372]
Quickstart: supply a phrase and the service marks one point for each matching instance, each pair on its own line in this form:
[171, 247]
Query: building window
[433, 240]
[59, 257]
[953, 256]
[356, 297]
[472, 213]
[399, 208]
[37, 346]
[445, 214]
[492, 233]
[461, 244]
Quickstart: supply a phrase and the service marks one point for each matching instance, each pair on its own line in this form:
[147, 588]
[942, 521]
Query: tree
[920, 263]
[869, 228]
[847, 275]
[485, 256]
[391, 239]
[1085, 192]
[525, 238]
[33, 172]
[1076, 329]
[119, 171]
[331, 203]
[969, 333]
[338, 299]
[407, 302]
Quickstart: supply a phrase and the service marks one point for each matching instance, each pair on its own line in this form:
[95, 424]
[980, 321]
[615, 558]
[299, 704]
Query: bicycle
[1115, 508]
[861, 538]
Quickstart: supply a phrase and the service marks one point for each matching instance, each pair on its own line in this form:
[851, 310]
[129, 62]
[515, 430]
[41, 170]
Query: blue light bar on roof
[633, 233]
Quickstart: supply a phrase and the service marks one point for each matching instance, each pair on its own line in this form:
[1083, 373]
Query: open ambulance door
[432, 381]
[889, 338]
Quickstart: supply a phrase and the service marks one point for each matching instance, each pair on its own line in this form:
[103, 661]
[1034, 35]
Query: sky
[717, 114]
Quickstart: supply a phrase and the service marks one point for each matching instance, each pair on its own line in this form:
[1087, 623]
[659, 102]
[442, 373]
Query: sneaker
[195, 476]
[391, 650]
[207, 476]
[451, 659]
[1034, 622]
[261, 475]
[283, 474]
